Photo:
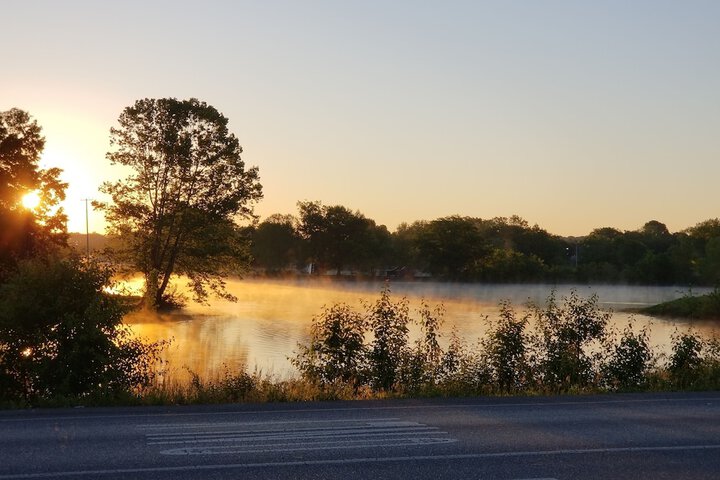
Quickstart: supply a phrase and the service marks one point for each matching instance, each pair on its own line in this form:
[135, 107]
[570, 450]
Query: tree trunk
[150, 300]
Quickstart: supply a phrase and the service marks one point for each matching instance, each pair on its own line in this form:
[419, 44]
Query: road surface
[658, 436]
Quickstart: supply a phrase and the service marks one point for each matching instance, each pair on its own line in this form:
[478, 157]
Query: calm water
[264, 327]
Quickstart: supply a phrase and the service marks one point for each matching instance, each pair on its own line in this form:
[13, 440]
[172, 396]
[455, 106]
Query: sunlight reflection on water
[264, 327]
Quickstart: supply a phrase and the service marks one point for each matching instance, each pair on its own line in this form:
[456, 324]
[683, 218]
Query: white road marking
[301, 436]
[293, 447]
[349, 461]
[260, 436]
[199, 426]
[240, 438]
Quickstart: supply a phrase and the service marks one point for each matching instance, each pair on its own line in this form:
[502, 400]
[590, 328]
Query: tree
[27, 232]
[337, 237]
[452, 247]
[176, 213]
[275, 243]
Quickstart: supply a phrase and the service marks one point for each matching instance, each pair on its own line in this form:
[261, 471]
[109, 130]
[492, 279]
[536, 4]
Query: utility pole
[87, 228]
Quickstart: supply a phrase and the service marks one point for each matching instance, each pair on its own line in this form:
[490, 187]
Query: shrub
[420, 366]
[62, 336]
[336, 351]
[388, 322]
[505, 350]
[629, 362]
[566, 333]
[686, 362]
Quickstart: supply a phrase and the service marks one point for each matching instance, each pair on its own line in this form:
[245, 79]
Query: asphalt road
[658, 436]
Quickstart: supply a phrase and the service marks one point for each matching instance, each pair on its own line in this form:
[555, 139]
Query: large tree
[26, 232]
[177, 211]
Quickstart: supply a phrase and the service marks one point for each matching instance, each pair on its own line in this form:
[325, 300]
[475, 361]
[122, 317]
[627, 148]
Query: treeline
[335, 240]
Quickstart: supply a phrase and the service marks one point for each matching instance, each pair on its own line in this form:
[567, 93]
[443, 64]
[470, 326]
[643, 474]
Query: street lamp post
[87, 228]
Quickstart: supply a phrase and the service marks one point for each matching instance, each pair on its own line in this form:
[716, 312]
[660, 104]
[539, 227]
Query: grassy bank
[244, 387]
[697, 307]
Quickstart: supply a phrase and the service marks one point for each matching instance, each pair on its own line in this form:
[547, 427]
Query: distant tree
[176, 212]
[705, 230]
[276, 242]
[405, 244]
[378, 251]
[452, 247]
[656, 236]
[337, 238]
[27, 232]
[710, 264]
[702, 247]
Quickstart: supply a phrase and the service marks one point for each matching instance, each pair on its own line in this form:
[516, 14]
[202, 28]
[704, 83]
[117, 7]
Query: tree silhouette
[24, 232]
[175, 214]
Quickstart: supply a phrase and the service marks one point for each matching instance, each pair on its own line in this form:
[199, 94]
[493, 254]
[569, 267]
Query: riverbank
[691, 307]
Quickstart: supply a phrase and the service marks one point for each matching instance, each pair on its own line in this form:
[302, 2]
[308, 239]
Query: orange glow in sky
[573, 115]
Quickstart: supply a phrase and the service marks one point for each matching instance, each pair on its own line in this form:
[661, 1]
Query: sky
[572, 114]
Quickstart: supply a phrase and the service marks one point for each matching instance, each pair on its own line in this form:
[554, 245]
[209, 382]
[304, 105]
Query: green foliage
[506, 352]
[689, 306]
[567, 331]
[61, 335]
[337, 238]
[388, 321]
[500, 249]
[685, 366]
[336, 351]
[276, 243]
[629, 362]
[371, 349]
[421, 365]
[175, 213]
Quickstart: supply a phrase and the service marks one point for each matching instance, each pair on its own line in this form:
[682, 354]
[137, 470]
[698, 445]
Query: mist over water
[264, 327]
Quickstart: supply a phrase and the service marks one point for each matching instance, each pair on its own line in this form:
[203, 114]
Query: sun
[31, 200]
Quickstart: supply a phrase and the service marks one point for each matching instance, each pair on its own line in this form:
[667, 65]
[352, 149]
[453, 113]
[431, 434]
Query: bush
[62, 336]
[566, 334]
[388, 322]
[568, 350]
[421, 365]
[686, 362]
[505, 350]
[629, 362]
[336, 351]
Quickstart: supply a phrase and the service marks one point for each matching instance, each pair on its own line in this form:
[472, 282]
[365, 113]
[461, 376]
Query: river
[262, 329]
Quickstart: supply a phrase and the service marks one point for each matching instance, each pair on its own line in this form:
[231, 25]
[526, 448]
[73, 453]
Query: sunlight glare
[31, 200]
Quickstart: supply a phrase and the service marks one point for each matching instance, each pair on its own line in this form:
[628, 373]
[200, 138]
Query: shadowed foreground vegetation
[62, 339]
[561, 346]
